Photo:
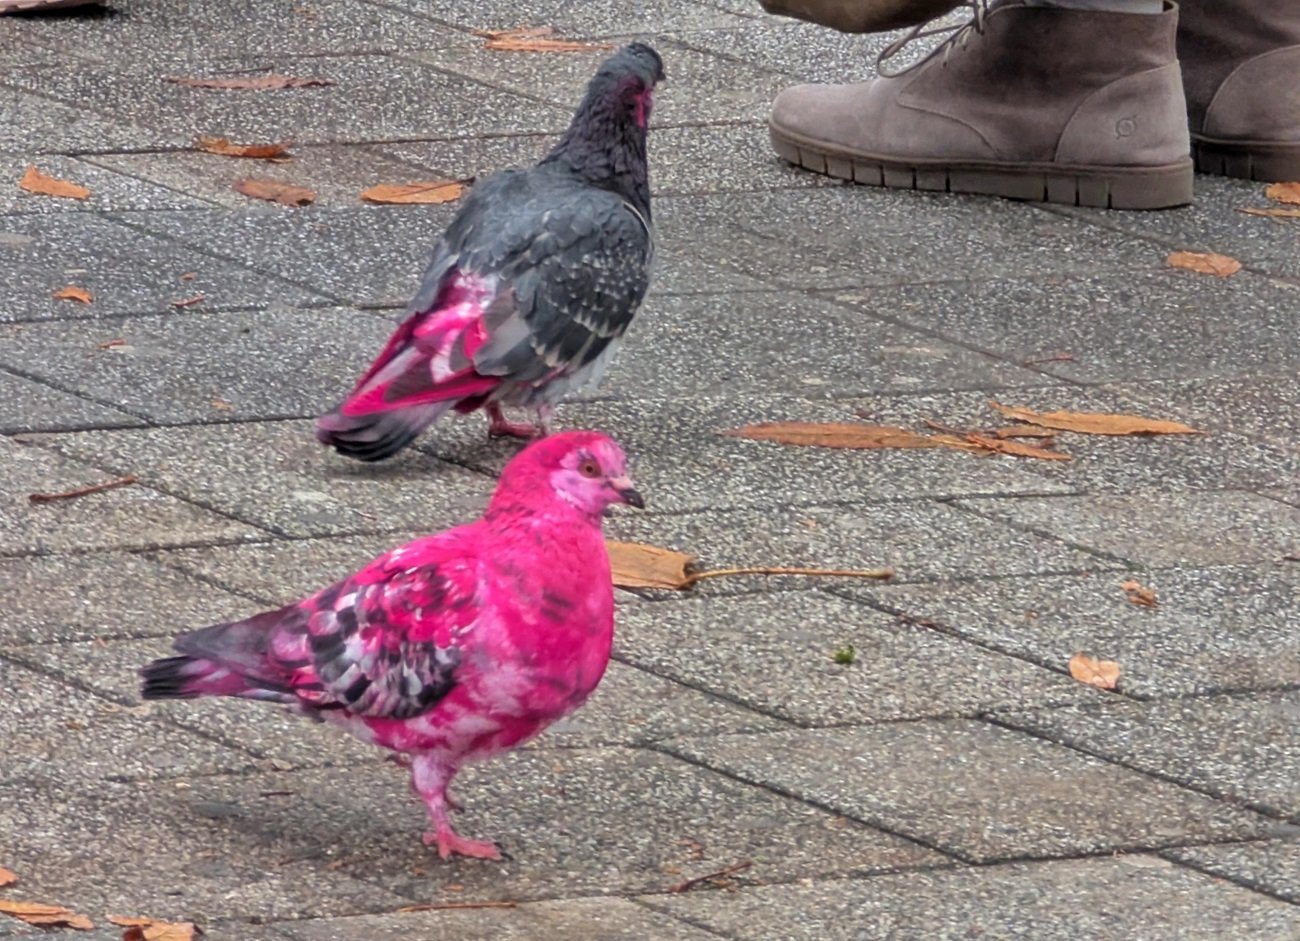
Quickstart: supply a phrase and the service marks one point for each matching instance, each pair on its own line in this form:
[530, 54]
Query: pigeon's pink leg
[501, 427]
[544, 413]
[430, 775]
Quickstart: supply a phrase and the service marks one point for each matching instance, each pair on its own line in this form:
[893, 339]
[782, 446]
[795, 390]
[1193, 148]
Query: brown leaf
[189, 301]
[224, 148]
[34, 181]
[1096, 423]
[845, 435]
[1016, 449]
[249, 82]
[1273, 213]
[1140, 594]
[110, 344]
[535, 39]
[286, 194]
[188, 276]
[48, 916]
[1103, 674]
[222, 405]
[636, 565]
[1284, 193]
[1221, 266]
[1025, 431]
[73, 293]
[430, 192]
[7, 876]
[143, 929]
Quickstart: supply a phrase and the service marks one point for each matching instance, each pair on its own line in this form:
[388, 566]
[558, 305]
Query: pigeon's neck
[606, 147]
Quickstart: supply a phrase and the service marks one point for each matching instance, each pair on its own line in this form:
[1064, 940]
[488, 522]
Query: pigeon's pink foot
[450, 843]
[502, 427]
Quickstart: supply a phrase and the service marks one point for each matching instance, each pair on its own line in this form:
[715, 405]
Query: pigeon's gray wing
[571, 266]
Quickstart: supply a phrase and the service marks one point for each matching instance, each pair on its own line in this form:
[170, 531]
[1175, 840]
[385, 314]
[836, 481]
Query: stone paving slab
[337, 174]
[277, 476]
[1197, 529]
[917, 541]
[587, 919]
[109, 191]
[713, 344]
[176, 367]
[775, 652]
[683, 160]
[1135, 896]
[681, 462]
[1165, 323]
[1215, 630]
[103, 596]
[200, 849]
[1168, 464]
[580, 822]
[823, 237]
[975, 790]
[1214, 223]
[1241, 748]
[27, 405]
[125, 271]
[373, 98]
[54, 732]
[701, 88]
[125, 517]
[34, 124]
[230, 30]
[1272, 866]
[594, 19]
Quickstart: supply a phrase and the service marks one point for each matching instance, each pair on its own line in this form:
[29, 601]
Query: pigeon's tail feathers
[227, 659]
[377, 435]
[191, 677]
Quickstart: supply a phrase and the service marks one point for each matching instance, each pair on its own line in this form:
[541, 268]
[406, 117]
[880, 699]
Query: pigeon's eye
[589, 468]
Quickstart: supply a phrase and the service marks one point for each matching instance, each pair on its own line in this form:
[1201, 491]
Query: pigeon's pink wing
[430, 358]
[388, 641]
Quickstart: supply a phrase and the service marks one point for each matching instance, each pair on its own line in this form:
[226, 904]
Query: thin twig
[1057, 358]
[694, 577]
[83, 491]
[448, 906]
[687, 884]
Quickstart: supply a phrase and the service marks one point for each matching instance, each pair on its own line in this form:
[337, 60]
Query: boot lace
[957, 35]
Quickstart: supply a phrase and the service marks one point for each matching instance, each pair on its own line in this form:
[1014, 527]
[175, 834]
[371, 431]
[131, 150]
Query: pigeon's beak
[627, 492]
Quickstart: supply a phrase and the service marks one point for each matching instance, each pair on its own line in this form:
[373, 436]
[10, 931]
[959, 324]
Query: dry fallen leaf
[222, 405]
[34, 181]
[1095, 423]
[636, 565]
[845, 435]
[189, 301]
[1103, 674]
[432, 192]
[1273, 213]
[7, 876]
[1139, 594]
[286, 194]
[47, 916]
[534, 39]
[73, 293]
[1017, 449]
[1025, 431]
[1284, 193]
[250, 82]
[146, 929]
[1221, 266]
[224, 148]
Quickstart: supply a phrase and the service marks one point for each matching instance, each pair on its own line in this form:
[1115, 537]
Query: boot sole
[1264, 161]
[1103, 187]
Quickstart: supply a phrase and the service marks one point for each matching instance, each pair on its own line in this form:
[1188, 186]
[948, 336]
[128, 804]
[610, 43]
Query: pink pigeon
[452, 648]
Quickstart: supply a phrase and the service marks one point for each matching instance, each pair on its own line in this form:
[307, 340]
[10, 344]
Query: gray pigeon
[531, 286]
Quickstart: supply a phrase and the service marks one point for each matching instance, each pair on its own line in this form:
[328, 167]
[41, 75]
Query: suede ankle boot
[1241, 69]
[1028, 102]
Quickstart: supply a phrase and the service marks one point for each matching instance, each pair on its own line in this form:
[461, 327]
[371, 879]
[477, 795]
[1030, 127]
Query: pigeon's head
[584, 469]
[627, 80]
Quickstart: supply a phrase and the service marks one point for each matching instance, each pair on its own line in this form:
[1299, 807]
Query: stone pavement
[953, 782]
